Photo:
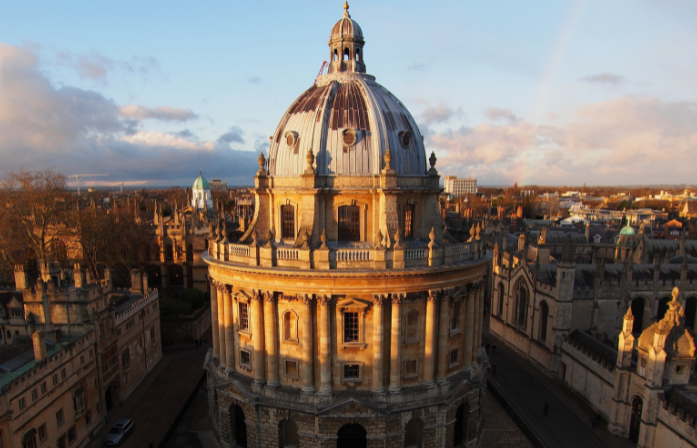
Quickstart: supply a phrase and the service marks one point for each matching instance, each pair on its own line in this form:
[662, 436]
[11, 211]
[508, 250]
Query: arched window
[413, 437]
[544, 315]
[412, 331]
[290, 326]
[349, 223]
[239, 427]
[522, 307]
[288, 434]
[662, 307]
[691, 313]
[501, 297]
[638, 305]
[408, 221]
[347, 54]
[635, 421]
[352, 435]
[126, 358]
[287, 221]
[358, 55]
[336, 55]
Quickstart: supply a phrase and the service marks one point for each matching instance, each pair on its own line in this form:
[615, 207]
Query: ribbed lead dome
[347, 119]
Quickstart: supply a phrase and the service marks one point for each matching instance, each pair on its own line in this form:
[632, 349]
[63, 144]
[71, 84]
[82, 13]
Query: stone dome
[627, 231]
[348, 120]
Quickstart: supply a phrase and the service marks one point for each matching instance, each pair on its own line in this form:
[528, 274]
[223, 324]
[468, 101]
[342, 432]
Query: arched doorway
[691, 312]
[544, 315]
[288, 434]
[638, 313]
[352, 435]
[635, 422]
[662, 307]
[461, 426]
[239, 428]
[413, 437]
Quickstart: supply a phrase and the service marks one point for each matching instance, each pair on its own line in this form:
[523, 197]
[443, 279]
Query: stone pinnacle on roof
[567, 255]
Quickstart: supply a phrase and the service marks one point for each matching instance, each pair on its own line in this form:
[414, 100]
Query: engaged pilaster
[443, 336]
[271, 339]
[477, 325]
[308, 366]
[469, 328]
[215, 336]
[378, 331]
[395, 371]
[258, 338]
[325, 355]
[221, 324]
[430, 348]
[229, 330]
[482, 291]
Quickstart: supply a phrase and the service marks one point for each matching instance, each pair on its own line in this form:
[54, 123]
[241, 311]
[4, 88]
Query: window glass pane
[288, 221]
[408, 221]
[351, 371]
[349, 223]
[350, 327]
[244, 317]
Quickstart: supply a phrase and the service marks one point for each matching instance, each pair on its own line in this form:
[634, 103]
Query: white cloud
[163, 113]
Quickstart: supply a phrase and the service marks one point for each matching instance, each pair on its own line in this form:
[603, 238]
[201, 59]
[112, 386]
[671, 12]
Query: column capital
[433, 295]
[379, 299]
[397, 298]
[269, 296]
[220, 286]
[257, 295]
[227, 289]
[323, 299]
[306, 299]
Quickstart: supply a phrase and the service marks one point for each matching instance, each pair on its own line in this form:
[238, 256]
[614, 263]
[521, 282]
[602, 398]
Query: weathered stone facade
[346, 315]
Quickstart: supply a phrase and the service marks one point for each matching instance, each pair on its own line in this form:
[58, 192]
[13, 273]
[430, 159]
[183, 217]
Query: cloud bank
[81, 131]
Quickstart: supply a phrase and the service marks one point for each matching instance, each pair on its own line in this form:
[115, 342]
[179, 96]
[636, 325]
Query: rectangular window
[88, 417]
[454, 357]
[22, 403]
[43, 388]
[43, 434]
[352, 371]
[72, 435]
[63, 375]
[349, 223]
[350, 327]
[455, 319]
[169, 254]
[82, 359]
[152, 334]
[245, 358]
[288, 221]
[244, 317]
[59, 418]
[408, 221]
[34, 394]
[292, 368]
[62, 442]
[55, 379]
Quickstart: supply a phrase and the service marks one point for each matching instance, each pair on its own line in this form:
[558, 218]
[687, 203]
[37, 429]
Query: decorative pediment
[14, 303]
[353, 304]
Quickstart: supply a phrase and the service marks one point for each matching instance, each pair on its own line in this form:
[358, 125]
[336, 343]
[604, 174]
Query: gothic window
[351, 327]
[501, 297]
[288, 221]
[349, 223]
[169, 254]
[522, 307]
[412, 330]
[408, 221]
[290, 326]
[244, 316]
[544, 315]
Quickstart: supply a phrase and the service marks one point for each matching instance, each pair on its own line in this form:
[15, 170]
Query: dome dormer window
[405, 139]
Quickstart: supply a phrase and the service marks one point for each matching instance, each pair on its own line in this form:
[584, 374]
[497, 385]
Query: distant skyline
[536, 92]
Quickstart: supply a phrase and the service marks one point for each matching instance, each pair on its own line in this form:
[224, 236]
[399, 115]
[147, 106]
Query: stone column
[229, 330]
[469, 328]
[221, 324]
[443, 337]
[271, 339]
[325, 354]
[258, 338]
[430, 348]
[308, 386]
[477, 325]
[378, 330]
[395, 371]
[215, 336]
[482, 290]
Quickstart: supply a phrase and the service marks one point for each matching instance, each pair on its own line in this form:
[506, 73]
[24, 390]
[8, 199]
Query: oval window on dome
[349, 137]
[291, 138]
[405, 138]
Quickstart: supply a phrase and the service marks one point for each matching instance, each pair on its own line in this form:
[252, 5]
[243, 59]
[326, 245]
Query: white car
[121, 430]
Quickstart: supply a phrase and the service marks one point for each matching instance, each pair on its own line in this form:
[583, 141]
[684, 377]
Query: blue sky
[544, 92]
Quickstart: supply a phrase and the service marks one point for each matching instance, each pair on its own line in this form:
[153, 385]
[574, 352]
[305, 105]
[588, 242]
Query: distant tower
[201, 193]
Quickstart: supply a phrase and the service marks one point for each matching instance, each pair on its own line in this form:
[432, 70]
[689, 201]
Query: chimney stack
[39, 340]
[145, 283]
[79, 276]
[21, 281]
[136, 282]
